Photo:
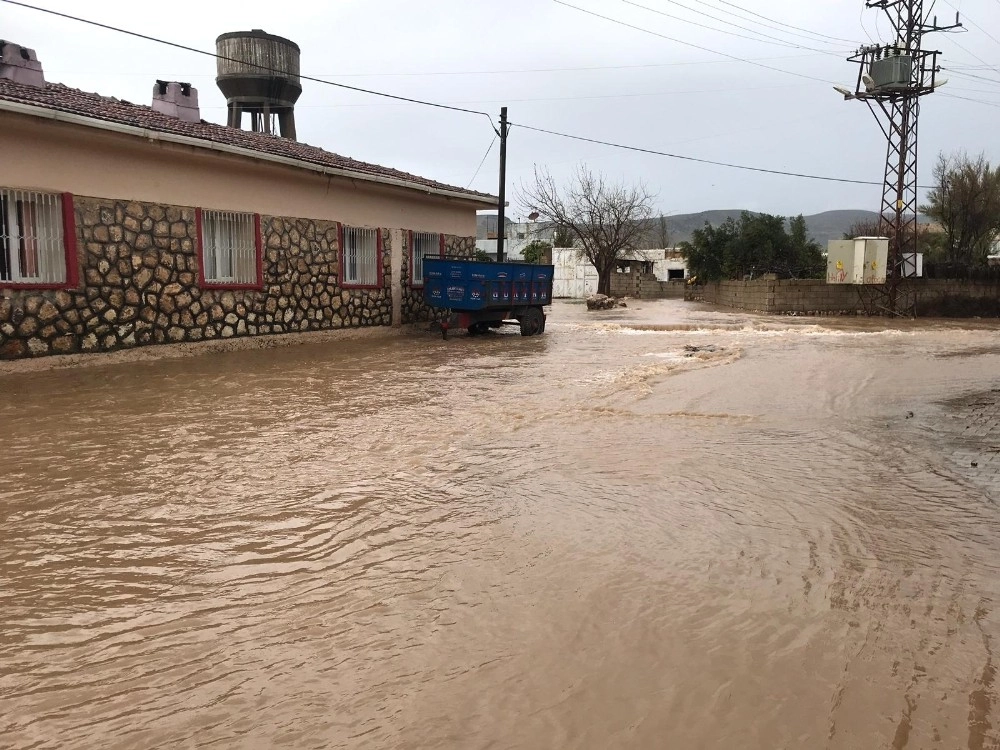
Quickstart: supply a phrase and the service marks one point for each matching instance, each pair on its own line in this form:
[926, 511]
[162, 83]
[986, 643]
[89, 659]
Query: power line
[565, 70]
[654, 152]
[973, 23]
[482, 162]
[681, 41]
[429, 73]
[244, 62]
[782, 23]
[970, 99]
[582, 97]
[760, 36]
[418, 74]
[468, 111]
[810, 36]
[963, 74]
[970, 52]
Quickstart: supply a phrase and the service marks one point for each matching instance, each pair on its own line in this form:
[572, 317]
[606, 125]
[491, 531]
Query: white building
[518, 236]
[576, 277]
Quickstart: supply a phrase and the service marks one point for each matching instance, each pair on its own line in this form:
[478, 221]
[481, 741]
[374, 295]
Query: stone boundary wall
[414, 307]
[644, 286]
[816, 297]
[139, 285]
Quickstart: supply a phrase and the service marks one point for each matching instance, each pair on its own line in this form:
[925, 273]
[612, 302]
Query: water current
[660, 527]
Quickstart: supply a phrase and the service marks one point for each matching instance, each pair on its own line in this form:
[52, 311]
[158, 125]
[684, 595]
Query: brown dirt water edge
[664, 526]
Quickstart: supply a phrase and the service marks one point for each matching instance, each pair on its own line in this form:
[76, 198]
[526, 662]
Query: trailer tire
[532, 322]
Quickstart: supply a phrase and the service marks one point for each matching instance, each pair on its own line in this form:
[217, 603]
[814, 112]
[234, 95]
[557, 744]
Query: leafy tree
[706, 252]
[606, 220]
[482, 255]
[966, 203]
[756, 244]
[535, 251]
[807, 256]
[928, 241]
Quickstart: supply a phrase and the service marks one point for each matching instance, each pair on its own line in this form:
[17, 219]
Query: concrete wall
[815, 296]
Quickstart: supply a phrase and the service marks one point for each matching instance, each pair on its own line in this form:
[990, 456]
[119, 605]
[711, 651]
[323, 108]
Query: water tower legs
[286, 123]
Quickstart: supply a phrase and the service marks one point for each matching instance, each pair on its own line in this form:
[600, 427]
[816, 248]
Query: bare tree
[562, 238]
[864, 228]
[606, 220]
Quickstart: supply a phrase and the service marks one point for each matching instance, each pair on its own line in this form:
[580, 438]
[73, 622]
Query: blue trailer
[479, 295]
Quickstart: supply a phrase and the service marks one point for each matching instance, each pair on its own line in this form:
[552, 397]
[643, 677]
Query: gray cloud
[563, 70]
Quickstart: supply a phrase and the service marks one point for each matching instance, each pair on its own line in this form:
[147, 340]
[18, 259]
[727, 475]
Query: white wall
[575, 277]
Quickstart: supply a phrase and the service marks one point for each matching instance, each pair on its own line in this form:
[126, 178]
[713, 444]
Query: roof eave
[186, 140]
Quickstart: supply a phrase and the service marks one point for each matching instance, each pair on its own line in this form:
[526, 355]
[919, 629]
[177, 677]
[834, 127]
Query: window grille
[32, 246]
[229, 247]
[424, 244]
[361, 261]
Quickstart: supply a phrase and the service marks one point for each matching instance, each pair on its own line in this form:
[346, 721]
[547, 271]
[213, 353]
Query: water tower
[259, 74]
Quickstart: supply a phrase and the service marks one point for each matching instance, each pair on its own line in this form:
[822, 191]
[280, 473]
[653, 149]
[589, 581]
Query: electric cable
[521, 125]
[781, 23]
[667, 154]
[681, 41]
[761, 36]
[485, 156]
[243, 62]
[963, 74]
[965, 17]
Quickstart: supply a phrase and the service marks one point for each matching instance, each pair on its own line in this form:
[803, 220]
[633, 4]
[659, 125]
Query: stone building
[123, 225]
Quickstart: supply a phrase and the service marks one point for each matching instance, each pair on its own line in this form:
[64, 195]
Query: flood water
[665, 526]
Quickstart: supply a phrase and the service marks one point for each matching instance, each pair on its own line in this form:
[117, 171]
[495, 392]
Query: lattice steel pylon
[894, 76]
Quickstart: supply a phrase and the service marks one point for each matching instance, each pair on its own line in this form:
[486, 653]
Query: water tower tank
[259, 74]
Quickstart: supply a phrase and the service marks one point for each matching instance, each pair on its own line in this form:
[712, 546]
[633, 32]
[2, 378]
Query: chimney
[20, 65]
[178, 100]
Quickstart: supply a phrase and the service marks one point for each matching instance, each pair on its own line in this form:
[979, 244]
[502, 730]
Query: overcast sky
[558, 68]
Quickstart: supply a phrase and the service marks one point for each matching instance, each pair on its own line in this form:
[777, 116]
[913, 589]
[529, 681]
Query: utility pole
[894, 76]
[502, 204]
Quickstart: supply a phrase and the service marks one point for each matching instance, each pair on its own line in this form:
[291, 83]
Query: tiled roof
[58, 97]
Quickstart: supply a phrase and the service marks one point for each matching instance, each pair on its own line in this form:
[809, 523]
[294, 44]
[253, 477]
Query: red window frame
[413, 282]
[69, 253]
[379, 251]
[258, 243]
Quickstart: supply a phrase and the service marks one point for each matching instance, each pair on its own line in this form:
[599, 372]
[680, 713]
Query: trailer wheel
[532, 322]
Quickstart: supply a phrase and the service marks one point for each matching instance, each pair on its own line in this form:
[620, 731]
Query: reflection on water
[659, 527]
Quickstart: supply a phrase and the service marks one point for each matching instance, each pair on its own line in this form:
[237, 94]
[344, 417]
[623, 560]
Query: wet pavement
[665, 526]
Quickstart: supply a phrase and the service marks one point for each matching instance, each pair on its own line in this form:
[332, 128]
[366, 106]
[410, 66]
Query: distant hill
[823, 227]
[829, 225]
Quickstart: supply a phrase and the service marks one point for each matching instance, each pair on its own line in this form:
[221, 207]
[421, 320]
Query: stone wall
[816, 297]
[139, 285]
[644, 286]
[414, 308]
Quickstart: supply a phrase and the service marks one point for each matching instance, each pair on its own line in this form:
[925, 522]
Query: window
[230, 248]
[423, 244]
[34, 228]
[360, 256]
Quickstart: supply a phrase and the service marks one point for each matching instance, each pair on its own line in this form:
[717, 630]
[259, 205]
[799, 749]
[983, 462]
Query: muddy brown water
[665, 526]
